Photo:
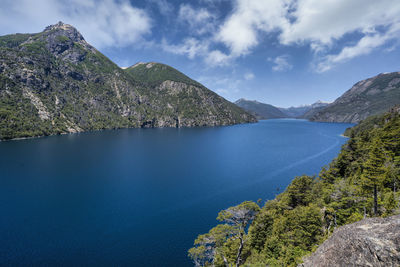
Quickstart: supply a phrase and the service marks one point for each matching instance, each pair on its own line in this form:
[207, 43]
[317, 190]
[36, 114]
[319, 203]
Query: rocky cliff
[54, 82]
[369, 97]
[370, 242]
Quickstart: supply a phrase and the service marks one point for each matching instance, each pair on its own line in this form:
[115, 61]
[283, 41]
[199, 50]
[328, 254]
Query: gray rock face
[369, 97]
[370, 242]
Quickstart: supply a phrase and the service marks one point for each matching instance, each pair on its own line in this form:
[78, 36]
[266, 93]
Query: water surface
[141, 196]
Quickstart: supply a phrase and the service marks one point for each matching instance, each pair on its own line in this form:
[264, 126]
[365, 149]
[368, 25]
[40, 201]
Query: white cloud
[325, 21]
[103, 23]
[281, 63]
[199, 20]
[227, 86]
[364, 46]
[190, 47]
[217, 58]
[240, 31]
[316, 23]
[249, 76]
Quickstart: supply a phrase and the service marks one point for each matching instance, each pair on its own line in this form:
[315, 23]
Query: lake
[139, 197]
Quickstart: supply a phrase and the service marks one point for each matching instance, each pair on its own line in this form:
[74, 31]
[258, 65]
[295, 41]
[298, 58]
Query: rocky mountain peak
[66, 30]
[64, 41]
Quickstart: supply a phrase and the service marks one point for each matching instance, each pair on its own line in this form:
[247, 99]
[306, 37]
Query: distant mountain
[304, 111]
[368, 97]
[54, 82]
[260, 110]
[314, 108]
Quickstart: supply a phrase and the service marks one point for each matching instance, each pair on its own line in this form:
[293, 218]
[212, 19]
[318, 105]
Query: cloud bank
[316, 23]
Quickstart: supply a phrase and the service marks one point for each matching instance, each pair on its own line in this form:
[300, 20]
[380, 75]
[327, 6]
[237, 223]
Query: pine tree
[373, 172]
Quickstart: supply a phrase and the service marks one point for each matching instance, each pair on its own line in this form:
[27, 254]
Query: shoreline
[110, 129]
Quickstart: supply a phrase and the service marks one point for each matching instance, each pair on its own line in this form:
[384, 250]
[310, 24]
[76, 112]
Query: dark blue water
[141, 196]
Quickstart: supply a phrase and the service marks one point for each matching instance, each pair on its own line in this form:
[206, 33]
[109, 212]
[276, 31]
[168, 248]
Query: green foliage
[299, 192]
[224, 244]
[62, 38]
[293, 224]
[153, 74]
[13, 40]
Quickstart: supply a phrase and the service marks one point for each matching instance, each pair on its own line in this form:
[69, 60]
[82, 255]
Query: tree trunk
[375, 201]
[225, 261]
[239, 250]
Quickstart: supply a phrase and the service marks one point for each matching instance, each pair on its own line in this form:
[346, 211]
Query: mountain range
[369, 97]
[54, 82]
[267, 111]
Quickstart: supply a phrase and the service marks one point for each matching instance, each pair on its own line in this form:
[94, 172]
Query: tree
[239, 217]
[299, 192]
[373, 172]
[209, 245]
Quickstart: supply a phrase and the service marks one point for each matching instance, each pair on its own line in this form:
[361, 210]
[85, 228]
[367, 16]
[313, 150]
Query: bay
[139, 197]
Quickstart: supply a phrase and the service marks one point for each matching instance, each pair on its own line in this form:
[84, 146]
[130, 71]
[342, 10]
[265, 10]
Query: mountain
[304, 111]
[370, 242]
[260, 110]
[314, 109]
[366, 98]
[54, 82]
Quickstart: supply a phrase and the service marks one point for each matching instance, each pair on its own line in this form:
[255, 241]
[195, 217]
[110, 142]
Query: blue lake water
[139, 197]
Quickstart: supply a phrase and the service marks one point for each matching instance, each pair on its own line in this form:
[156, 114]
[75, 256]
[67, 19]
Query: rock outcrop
[369, 242]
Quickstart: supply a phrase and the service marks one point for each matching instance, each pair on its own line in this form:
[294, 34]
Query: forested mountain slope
[260, 110]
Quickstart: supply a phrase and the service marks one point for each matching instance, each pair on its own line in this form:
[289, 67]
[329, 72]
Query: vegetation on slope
[54, 82]
[260, 110]
[361, 182]
[153, 74]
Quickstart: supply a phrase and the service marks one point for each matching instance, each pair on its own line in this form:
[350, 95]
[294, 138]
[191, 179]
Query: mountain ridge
[260, 110]
[54, 82]
[267, 111]
[372, 96]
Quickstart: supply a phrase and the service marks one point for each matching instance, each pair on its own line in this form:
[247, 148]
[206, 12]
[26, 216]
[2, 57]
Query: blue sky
[281, 52]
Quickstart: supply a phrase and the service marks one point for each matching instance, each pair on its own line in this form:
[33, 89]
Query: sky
[281, 52]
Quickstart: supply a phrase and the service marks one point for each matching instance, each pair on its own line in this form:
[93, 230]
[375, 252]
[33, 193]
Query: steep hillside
[260, 110]
[178, 96]
[366, 98]
[54, 82]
